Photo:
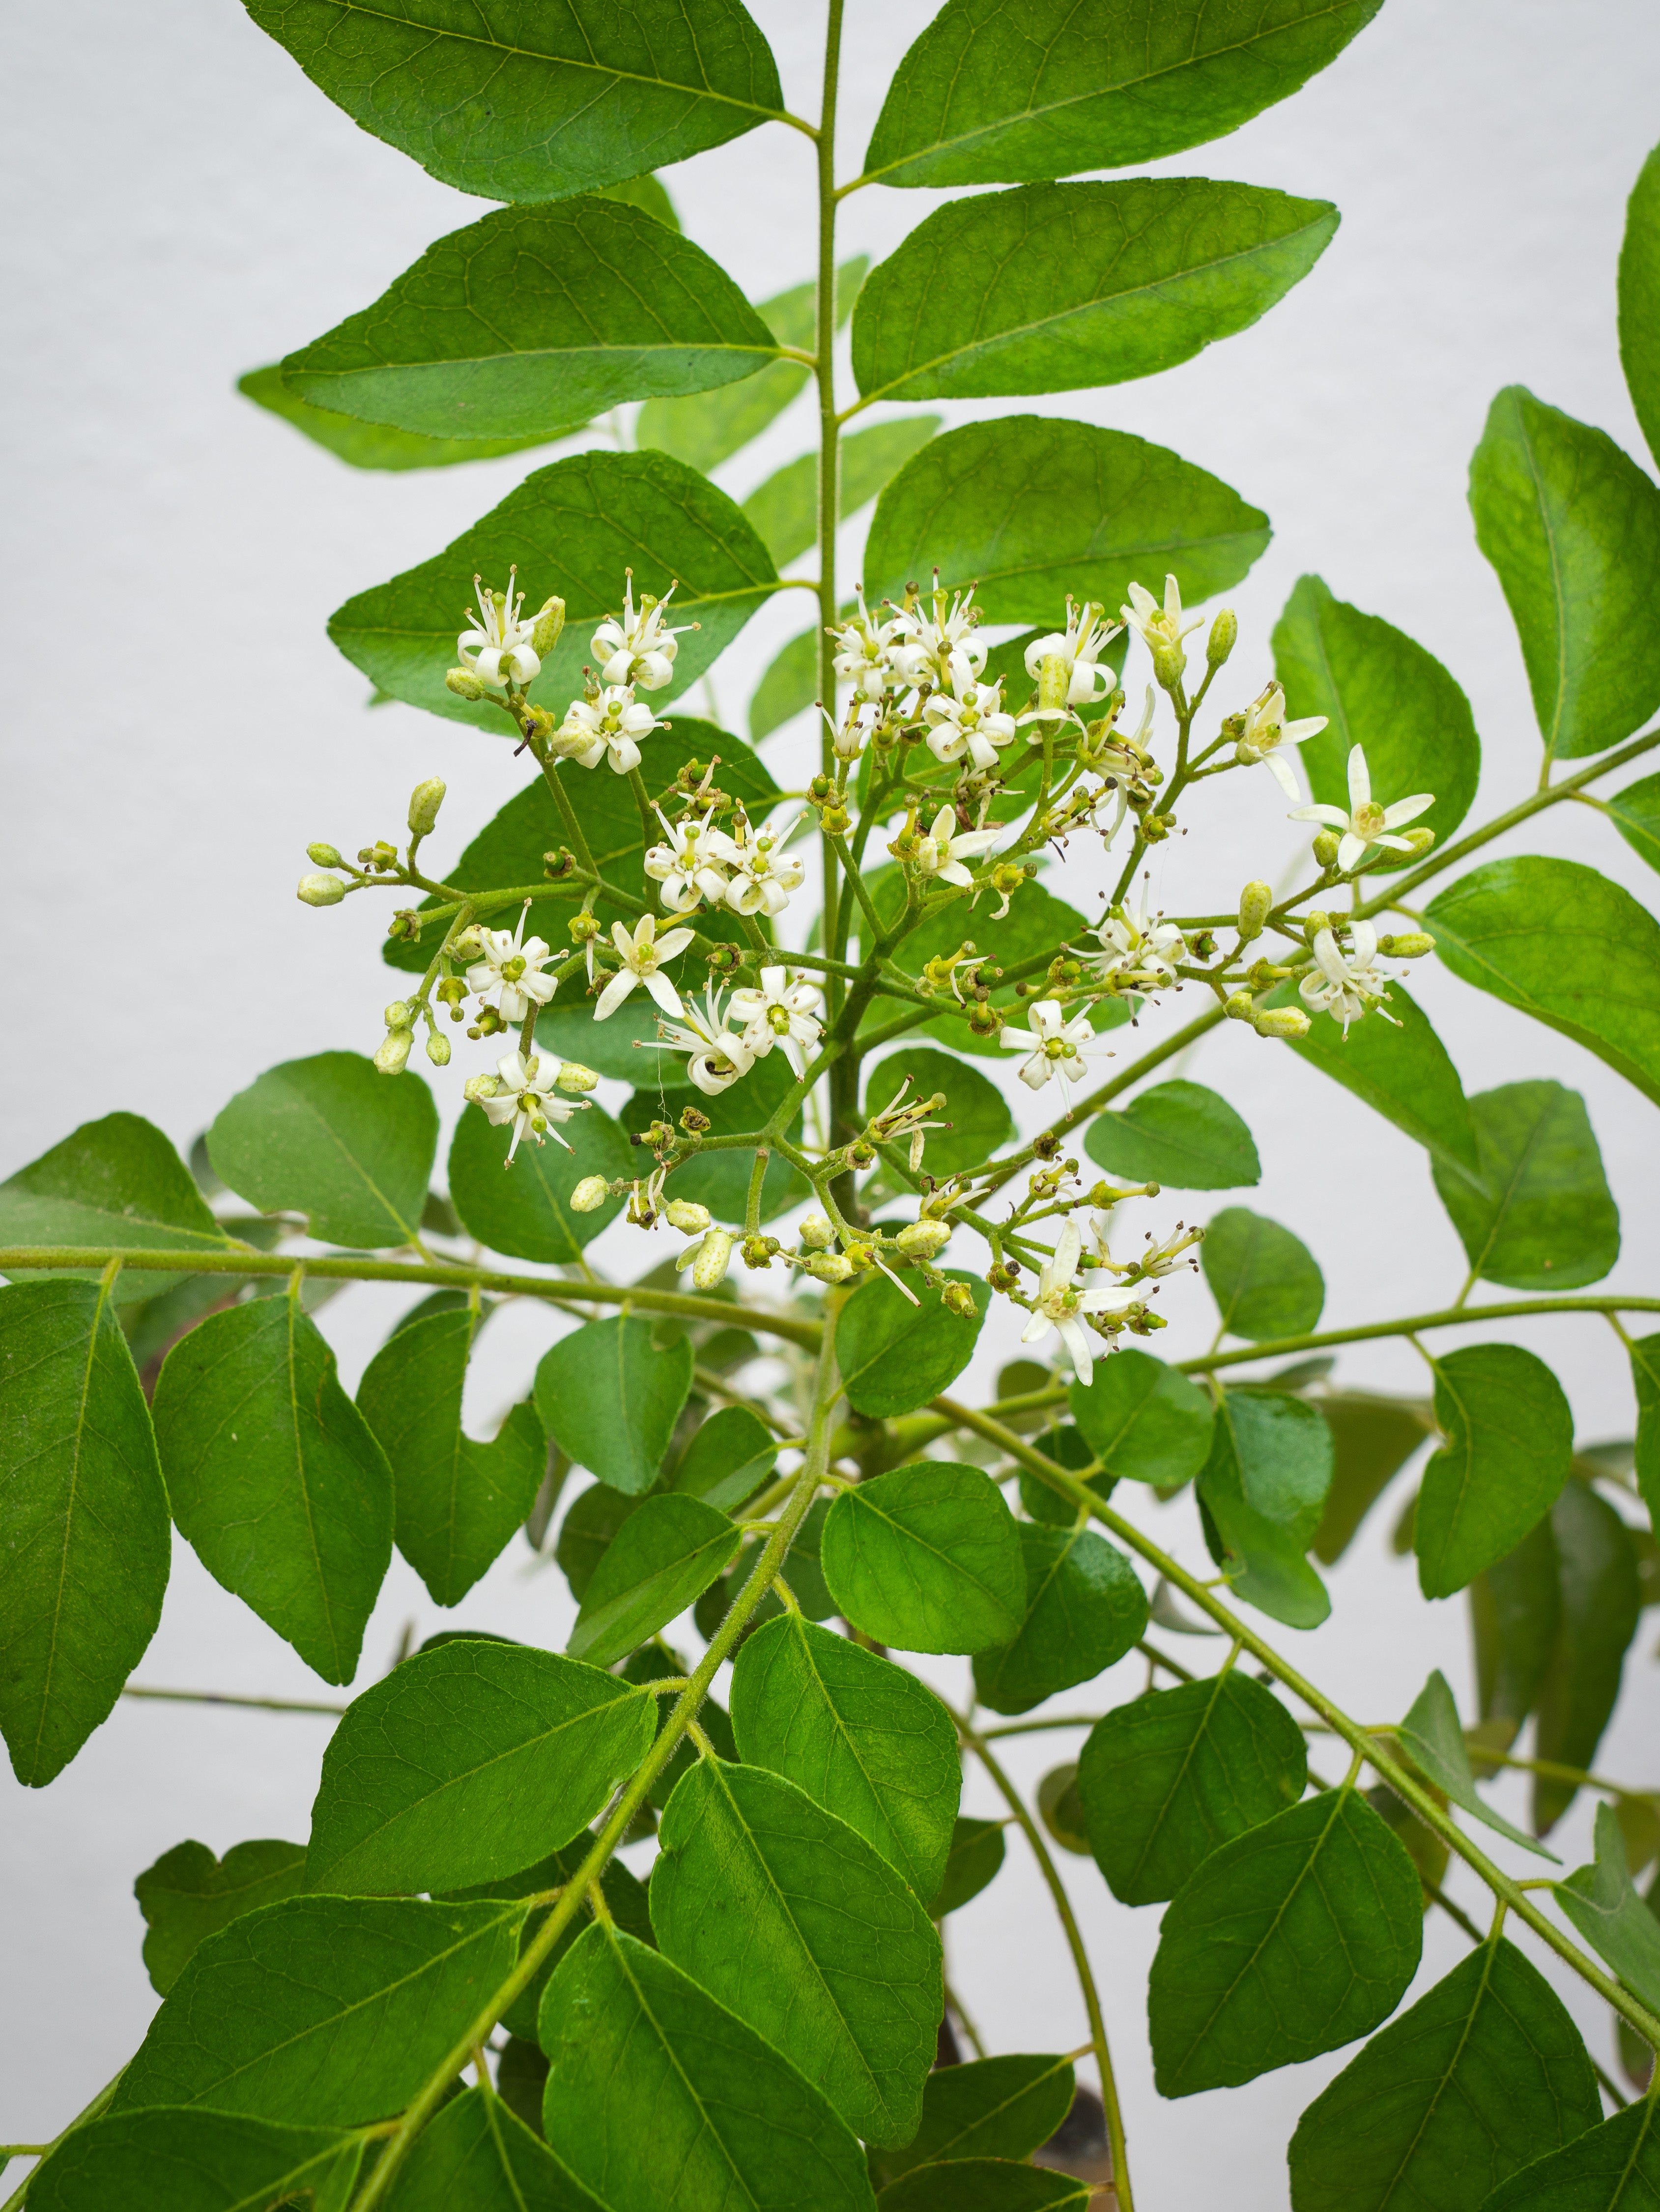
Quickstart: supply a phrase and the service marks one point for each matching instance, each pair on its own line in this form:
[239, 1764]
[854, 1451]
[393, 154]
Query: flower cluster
[746, 870]
[723, 1040]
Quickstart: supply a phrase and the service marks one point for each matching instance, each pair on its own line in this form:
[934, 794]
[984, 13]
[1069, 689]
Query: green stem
[226, 1698]
[829, 435]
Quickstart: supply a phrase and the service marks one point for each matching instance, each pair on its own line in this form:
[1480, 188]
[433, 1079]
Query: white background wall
[181, 205]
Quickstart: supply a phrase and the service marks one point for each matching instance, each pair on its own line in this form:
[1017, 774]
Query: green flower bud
[438, 1048]
[1412, 946]
[1239, 1007]
[1169, 662]
[1325, 849]
[1420, 840]
[398, 1015]
[575, 1078]
[714, 1256]
[830, 1267]
[1224, 631]
[921, 1240]
[320, 891]
[393, 1057]
[686, 1214]
[1283, 1022]
[1054, 681]
[816, 1233]
[464, 683]
[589, 1194]
[477, 1087]
[424, 802]
[324, 855]
[1255, 904]
[548, 623]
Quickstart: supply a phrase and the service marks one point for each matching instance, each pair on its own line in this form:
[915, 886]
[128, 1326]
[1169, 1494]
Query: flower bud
[1255, 904]
[324, 855]
[1283, 1022]
[1314, 921]
[468, 947]
[816, 1233]
[921, 1240]
[685, 1214]
[958, 1298]
[1325, 849]
[438, 1048]
[464, 683]
[424, 802]
[830, 1267]
[714, 1257]
[1223, 633]
[1420, 840]
[399, 1015]
[1168, 663]
[1054, 681]
[548, 623]
[1239, 1007]
[393, 1057]
[589, 1194]
[1412, 946]
[575, 1078]
[320, 891]
[479, 1087]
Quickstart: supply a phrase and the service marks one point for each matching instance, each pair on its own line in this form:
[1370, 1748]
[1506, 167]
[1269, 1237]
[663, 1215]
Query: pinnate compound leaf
[1613, 2169]
[276, 1482]
[333, 1139]
[1433, 1740]
[1179, 1134]
[1542, 1216]
[1144, 1421]
[727, 1461]
[895, 1356]
[661, 1560]
[863, 1738]
[1509, 1442]
[784, 1912]
[1003, 2108]
[535, 102]
[785, 508]
[1600, 1602]
[976, 1857]
[476, 2155]
[996, 94]
[927, 1557]
[330, 2010]
[1602, 1904]
[466, 1762]
[611, 1392]
[1031, 507]
[1372, 1438]
[1265, 1281]
[1483, 2074]
[368, 445]
[1170, 1777]
[189, 2161]
[1293, 1939]
[1571, 526]
[1263, 1493]
[659, 2100]
[1057, 287]
[984, 2185]
[1084, 1609]
[189, 1895]
[1404, 1074]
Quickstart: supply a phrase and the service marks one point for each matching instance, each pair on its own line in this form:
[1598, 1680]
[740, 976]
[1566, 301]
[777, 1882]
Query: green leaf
[1168, 1778]
[1372, 1438]
[611, 1392]
[189, 1895]
[1601, 1902]
[465, 1763]
[1084, 1609]
[720, 1180]
[1031, 507]
[1542, 1217]
[521, 2079]
[1144, 1421]
[1178, 1134]
[1613, 2169]
[1293, 1939]
[624, 1897]
[994, 95]
[1263, 1492]
[541, 102]
[1639, 300]
[533, 320]
[895, 1356]
[1057, 287]
[785, 508]
[976, 1857]
[186, 2162]
[789, 686]
[476, 2155]
[976, 1111]
[784, 1912]
[333, 1139]
[368, 445]
[1403, 1073]
[572, 528]
[1003, 2108]
[84, 1565]
[276, 1482]
[927, 1557]
[117, 1183]
[330, 2010]
[1514, 1609]
[1568, 946]
[661, 1560]
[455, 1502]
[1482, 2074]
[985, 2185]
[1509, 1442]
[1265, 1281]
[1646, 1382]
[1600, 1604]
[1635, 813]
[587, 1531]
[1380, 689]
[727, 1461]
[659, 2100]
[1433, 1739]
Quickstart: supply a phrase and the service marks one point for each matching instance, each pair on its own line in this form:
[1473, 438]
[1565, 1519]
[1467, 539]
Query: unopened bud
[921, 1240]
[424, 802]
[1419, 842]
[1412, 946]
[1240, 1007]
[1223, 633]
[324, 855]
[464, 683]
[958, 1298]
[468, 946]
[320, 891]
[575, 1078]
[1325, 849]
[1283, 1022]
[589, 1194]
[477, 1088]
[714, 1256]
[398, 1015]
[1054, 681]
[548, 623]
[1168, 663]
[438, 1048]
[685, 1214]
[830, 1267]
[1255, 904]
[817, 1233]
[393, 1057]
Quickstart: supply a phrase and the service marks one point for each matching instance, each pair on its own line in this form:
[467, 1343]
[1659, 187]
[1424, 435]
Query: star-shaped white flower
[524, 1095]
[1056, 1045]
[945, 848]
[862, 654]
[610, 727]
[639, 648]
[1081, 645]
[1059, 1303]
[496, 644]
[1366, 823]
[1268, 736]
[692, 865]
[1347, 986]
[509, 974]
[717, 1057]
[643, 955]
[1137, 948]
[1161, 629]
[765, 877]
[934, 649]
[781, 1011]
[968, 719]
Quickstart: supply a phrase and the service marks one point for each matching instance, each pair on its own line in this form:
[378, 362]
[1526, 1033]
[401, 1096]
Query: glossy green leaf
[332, 1139]
[895, 1356]
[1031, 507]
[1065, 1444]
[1403, 1073]
[624, 1897]
[1542, 1217]
[611, 1392]
[1380, 689]
[277, 1481]
[1639, 300]
[784, 1912]
[1145, 1421]
[719, 1180]
[1061, 1809]
[788, 687]
[1432, 1738]
[1635, 813]
[1600, 1605]
[1293, 1939]
[1263, 1490]
[1084, 1609]
[992, 93]
[189, 1895]
[1515, 1611]
[572, 528]
[1613, 2169]
[522, 2080]
[476, 2155]
[659, 2100]
[1372, 1438]
[84, 1565]
[1265, 1281]
[1168, 1778]
[330, 2010]
[188, 2161]
[975, 1859]
[785, 508]
[863, 1738]
[368, 445]
[455, 1502]
[661, 1561]
[1004, 2108]
[468, 1762]
[928, 1558]
[535, 102]
[985, 2185]
[1484, 2074]
[1602, 1904]
[1645, 1382]
[728, 1459]
[1178, 1134]
[1571, 526]
[1509, 1440]
[1058, 287]
[117, 1183]
[587, 1531]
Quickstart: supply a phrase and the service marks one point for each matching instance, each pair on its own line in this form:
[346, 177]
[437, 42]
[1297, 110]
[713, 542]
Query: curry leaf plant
[745, 1019]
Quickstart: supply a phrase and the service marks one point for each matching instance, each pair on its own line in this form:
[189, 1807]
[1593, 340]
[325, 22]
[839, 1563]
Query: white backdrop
[183, 205]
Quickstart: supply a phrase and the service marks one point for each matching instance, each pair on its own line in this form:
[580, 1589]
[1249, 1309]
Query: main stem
[825, 370]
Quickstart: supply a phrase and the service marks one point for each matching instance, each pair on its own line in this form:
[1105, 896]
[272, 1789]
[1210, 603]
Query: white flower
[862, 655]
[640, 648]
[643, 955]
[942, 851]
[1366, 823]
[1059, 1303]
[1268, 736]
[937, 650]
[496, 647]
[968, 719]
[1058, 1046]
[1080, 646]
[781, 1011]
[524, 1096]
[693, 864]
[612, 724]
[1137, 948]
[765, 878]
[1346, 986]
[508, 976]
[717, 1057]
[1160, 629]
